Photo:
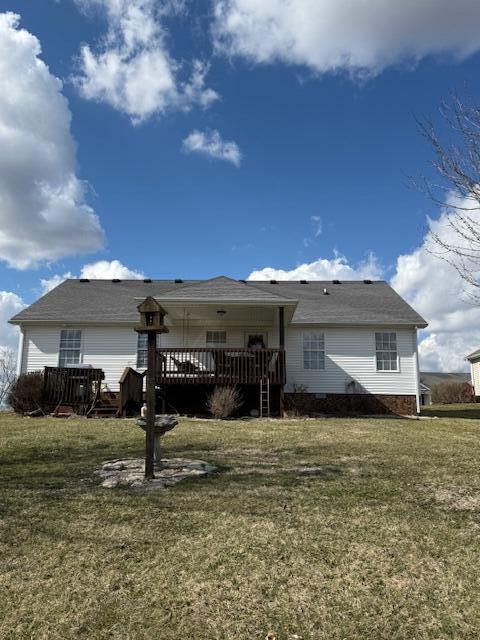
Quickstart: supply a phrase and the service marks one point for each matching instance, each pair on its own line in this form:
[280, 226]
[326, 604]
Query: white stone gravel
[130, 473]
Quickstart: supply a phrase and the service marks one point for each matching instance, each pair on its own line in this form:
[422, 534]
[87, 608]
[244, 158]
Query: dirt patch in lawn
[456, 498]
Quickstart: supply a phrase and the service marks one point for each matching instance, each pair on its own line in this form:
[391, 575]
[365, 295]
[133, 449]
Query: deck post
[281, 342]
[281, 327]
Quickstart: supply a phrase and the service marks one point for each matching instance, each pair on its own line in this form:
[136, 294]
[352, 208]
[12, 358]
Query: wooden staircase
[106, 406]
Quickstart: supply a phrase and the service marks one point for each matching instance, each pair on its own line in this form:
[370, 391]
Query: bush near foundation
[26, 392]
[224, 401]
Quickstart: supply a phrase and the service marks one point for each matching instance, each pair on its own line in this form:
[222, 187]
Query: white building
[341, 345]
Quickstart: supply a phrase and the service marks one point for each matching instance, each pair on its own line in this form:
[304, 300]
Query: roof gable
[223, 289]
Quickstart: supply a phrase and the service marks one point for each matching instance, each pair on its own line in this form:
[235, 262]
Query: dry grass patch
[319, 529]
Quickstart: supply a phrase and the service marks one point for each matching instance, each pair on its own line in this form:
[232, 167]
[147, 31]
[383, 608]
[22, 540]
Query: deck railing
[74, 386]
[220, 366]
[131, 392]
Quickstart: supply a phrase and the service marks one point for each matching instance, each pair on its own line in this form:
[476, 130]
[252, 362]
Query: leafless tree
[7, 372]
[457, 162]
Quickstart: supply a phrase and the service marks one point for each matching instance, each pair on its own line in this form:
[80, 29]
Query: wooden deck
[228, 366]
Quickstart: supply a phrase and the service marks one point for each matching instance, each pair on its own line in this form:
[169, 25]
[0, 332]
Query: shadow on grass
[468, 411]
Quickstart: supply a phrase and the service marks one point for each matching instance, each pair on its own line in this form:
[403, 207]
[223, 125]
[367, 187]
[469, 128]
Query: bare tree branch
[457, 161]
[8, 365]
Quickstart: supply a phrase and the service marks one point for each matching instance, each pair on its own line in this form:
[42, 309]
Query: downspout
[472, 379]
[21, 340]
[417, 377]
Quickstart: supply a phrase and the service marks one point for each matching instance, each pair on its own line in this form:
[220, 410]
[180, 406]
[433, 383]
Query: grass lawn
[382, 540]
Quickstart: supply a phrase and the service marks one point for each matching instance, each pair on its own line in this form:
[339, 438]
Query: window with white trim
[69, 350]
[216, 339]
[313, 350]
[142, 350]
[386, 351]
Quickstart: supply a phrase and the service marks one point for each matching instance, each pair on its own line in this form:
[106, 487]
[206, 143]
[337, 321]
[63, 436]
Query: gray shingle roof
[104, 301]
[431, 378]
[474, 355]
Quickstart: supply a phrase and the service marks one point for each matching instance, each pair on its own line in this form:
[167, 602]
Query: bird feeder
[152, 321]
[152, 317]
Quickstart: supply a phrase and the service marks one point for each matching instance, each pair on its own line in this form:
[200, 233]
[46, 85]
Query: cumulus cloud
[435, 289]
[43, 214]
[337, 267]
[101, 270]
[132, 69]
[10, 304]
[332, 35]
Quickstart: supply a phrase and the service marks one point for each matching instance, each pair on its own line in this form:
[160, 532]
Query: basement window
[386, 350]
[313, 350]
[69, 351]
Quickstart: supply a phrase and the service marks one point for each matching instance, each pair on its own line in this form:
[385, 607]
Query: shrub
[223, 401]
[26, 392]
[452, 392]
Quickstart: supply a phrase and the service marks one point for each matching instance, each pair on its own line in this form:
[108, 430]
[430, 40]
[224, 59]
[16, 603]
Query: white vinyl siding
[350, 354]
[113, 348]
[313, 350]
[475, 373]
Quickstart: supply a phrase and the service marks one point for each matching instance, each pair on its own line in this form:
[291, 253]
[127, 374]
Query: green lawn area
[382, 540]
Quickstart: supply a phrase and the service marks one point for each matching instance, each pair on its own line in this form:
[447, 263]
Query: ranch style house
[340, 346]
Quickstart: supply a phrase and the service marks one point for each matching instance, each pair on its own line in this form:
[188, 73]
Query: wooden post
[281, 327]
[149, 436]
[281, 342]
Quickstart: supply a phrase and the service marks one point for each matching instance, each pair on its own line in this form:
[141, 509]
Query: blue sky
[323, 156]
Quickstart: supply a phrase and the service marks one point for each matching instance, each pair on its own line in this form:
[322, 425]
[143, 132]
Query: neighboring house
[428, 379]
[344, 345]
[474, 360]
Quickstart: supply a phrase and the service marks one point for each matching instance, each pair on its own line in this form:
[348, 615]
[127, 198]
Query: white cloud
[332, 35]
[211, 143]
[101, 270]
[324, 269]
[132, 70]
[317, 228]
[435, 289]
[43, 215]
[10, 304]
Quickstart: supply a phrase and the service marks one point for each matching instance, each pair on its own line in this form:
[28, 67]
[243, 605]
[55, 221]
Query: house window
[216, 339]
[142, 350]
[386, 349]
[69, 351]
[313, 350]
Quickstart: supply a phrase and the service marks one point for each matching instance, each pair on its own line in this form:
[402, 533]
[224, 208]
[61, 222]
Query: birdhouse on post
[152, 317]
